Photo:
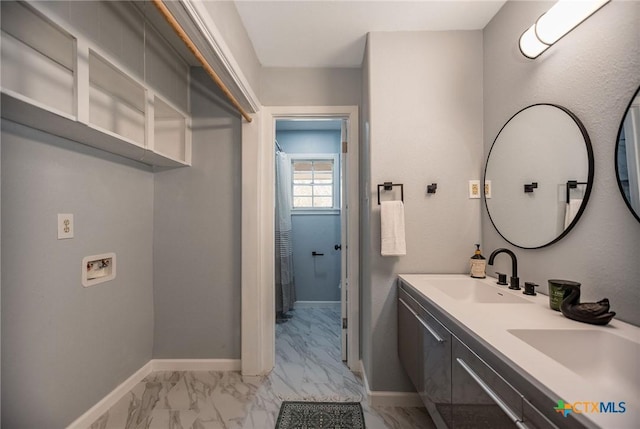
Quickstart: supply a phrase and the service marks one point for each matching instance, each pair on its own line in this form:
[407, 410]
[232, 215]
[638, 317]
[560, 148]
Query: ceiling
[332, 33]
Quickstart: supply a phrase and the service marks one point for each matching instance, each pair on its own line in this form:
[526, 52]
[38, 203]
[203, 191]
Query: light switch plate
[474, 189]
[65, 226]
[487, 188]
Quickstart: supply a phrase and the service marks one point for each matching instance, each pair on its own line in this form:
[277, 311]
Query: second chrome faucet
[514, 281]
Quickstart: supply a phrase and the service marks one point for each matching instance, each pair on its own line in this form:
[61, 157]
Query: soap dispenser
[478, 264]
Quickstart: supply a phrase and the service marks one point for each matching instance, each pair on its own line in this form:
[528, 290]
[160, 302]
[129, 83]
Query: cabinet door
[427, 359]
[534, 419]
[410, 344]
[480, 397]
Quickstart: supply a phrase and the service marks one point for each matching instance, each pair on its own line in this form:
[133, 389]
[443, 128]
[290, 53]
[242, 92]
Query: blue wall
[316, 278]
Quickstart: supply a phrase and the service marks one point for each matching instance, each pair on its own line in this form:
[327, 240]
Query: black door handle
[338, 247]
[314, 253]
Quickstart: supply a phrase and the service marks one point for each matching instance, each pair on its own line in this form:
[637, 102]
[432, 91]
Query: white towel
[392, 229]
[571, 211]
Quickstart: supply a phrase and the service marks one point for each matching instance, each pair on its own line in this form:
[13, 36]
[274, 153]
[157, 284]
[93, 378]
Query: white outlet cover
[65, 226]
[474, 189]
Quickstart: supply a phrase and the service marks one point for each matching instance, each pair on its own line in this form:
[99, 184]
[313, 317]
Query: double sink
[597, 355]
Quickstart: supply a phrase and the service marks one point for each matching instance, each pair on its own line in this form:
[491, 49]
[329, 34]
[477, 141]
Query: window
[315, 181]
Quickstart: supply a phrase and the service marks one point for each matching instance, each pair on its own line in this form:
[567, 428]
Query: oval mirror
[628, 156]
[540, 172]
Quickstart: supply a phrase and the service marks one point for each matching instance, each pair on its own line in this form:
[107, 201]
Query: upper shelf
[61, 84]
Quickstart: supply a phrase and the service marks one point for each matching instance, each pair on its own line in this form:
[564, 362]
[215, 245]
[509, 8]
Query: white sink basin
[597, 355]
[472, 290]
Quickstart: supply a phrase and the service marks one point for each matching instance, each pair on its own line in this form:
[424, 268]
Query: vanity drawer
[479, 396]
[434, 327]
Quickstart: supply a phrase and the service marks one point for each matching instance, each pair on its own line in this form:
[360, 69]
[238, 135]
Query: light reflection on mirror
[628, 156]
[541, 171]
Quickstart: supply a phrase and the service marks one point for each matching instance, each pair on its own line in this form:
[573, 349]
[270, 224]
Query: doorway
[308, 233]
[258, 280]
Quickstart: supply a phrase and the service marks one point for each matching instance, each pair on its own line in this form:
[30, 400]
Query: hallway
[308, 367]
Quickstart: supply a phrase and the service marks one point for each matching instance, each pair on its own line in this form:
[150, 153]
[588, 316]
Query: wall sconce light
[563, 17]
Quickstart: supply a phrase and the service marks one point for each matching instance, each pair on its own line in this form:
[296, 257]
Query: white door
[344, 280]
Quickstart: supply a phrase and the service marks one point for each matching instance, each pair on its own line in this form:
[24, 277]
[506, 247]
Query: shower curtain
[285, 288]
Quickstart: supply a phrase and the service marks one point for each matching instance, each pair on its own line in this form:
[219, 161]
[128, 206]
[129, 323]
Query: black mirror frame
[624, 196]
[590, 175]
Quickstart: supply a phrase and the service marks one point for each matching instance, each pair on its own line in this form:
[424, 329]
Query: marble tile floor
[308, 367]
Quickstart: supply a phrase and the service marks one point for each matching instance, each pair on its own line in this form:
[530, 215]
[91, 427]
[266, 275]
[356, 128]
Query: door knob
[338, 246]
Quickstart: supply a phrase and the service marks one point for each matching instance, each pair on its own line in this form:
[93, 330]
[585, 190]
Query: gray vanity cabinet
[461, 382]
[425, 352]
[480, 398]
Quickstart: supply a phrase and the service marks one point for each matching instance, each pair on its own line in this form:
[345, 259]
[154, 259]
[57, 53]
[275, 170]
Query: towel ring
[389, 186]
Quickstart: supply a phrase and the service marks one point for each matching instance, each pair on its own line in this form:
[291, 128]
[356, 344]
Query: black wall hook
[530, 187]
[431, 189]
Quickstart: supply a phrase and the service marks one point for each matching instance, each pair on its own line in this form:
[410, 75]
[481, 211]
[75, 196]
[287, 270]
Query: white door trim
[258, 259]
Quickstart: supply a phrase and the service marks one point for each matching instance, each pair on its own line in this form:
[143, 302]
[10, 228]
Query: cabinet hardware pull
[484, 386]
[422, 322]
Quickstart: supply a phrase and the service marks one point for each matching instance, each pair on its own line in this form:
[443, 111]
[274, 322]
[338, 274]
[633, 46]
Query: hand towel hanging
[392, 232]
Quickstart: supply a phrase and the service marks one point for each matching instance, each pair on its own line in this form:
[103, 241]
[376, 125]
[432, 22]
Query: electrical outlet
[487, 188]
[474, 189]
[65, 226]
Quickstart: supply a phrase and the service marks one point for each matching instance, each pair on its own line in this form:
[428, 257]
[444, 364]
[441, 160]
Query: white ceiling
[332, 33]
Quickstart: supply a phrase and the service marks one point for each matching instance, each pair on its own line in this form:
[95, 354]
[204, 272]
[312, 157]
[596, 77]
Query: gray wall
[65, 346]
[196, 246]
[425, 126]
[310, 86]
[593, 71]
[316, 278]
[279, 86]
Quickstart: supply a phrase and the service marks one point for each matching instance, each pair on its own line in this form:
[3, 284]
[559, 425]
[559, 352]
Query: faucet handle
[514, 283]
[530, 288]
[502, 279]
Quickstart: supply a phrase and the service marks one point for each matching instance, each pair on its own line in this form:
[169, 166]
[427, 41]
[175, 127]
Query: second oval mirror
[540, 170]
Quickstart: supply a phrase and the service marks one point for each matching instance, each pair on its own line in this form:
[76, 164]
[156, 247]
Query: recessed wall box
[98, 269]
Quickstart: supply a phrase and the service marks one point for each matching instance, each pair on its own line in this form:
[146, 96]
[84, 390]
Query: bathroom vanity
[481, 355]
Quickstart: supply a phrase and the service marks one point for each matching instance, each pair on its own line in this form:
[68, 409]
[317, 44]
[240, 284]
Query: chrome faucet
[514, 281]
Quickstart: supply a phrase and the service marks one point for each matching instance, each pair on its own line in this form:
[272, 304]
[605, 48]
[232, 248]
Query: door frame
[258, 235]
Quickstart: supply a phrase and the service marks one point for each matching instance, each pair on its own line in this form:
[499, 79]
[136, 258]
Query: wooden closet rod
[194, 50]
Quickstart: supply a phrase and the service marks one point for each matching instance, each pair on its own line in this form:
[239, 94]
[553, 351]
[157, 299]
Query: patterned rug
[320, 415]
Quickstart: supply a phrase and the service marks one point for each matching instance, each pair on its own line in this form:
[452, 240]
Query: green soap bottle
[478, 264]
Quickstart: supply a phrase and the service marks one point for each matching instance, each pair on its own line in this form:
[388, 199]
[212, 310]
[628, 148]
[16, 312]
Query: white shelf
[18, 109]
[171, 132]
[61, 84]
[38, 64]
[116, 102]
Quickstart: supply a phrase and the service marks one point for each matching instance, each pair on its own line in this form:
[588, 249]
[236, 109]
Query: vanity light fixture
[563, 17]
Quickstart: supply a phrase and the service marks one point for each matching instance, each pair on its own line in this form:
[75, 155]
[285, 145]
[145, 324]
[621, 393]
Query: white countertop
[491, 323]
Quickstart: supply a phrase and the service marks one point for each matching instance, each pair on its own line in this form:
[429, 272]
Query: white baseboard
[85, 420]
[308, 304]
[380, 398]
